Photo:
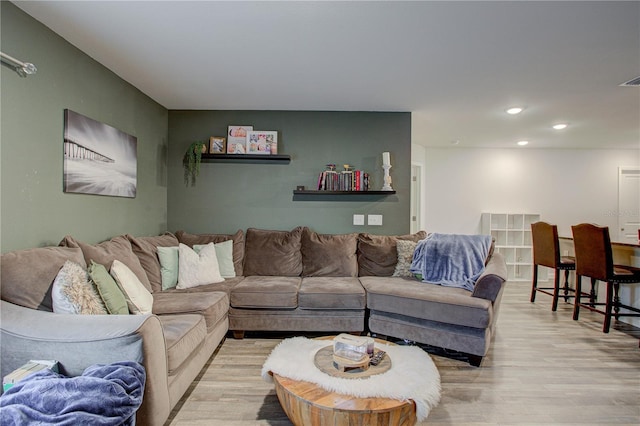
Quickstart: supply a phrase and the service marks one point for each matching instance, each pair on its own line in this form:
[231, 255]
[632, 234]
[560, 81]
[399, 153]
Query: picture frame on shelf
[217, 145]
[263, 142]
[236, 148]
[237, 139]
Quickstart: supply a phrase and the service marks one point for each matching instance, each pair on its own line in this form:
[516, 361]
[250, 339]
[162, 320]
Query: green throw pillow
[109, 291]
[168, 257]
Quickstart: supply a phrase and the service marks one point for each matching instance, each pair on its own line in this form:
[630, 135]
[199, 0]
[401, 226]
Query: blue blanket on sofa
[104, 395]
[451, 260]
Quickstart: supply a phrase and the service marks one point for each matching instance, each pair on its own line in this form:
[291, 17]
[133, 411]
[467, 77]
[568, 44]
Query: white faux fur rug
[412, 375]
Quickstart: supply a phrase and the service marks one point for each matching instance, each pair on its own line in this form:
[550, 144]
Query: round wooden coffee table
[308, 404]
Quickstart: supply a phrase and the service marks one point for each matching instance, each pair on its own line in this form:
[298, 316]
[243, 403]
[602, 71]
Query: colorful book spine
[350, 180]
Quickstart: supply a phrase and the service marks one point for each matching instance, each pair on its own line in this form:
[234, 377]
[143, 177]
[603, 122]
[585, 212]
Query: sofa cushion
[331, 293]
[183, 335]
[27, 275]
[266, 292]
[108, 289]
[212, 305]
[146, 250]
[378, 255]
[224, 286]
[73, 292]
[238, 244]
[107, 251]
[327, 255]
[406, 296]
[273, 253]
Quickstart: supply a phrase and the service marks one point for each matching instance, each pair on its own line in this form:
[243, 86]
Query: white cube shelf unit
[512, 234]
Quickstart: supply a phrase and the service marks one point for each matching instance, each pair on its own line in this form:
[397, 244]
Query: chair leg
[556, 290]
[566, 285]
[592, 293]
[534, 283]
[616, 300]
[576, 300]
[607, 309]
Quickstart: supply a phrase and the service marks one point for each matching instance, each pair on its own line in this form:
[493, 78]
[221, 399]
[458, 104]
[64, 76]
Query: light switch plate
[374, 219]
[358, 219]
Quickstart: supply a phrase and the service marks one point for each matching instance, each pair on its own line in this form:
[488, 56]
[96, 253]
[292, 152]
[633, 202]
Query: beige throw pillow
[139, 299]
[405, 257]
[73, 293]
[195, 269]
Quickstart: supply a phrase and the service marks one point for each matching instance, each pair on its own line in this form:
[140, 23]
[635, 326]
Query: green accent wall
[229, 196]
[34, 210]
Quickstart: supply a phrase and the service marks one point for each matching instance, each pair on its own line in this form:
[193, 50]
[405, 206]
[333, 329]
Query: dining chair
[546, 252]
[594, 259]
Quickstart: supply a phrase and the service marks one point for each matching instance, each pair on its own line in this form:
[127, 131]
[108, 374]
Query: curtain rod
[22, 68]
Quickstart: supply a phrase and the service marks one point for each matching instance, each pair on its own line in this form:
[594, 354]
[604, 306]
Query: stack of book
[348, 180]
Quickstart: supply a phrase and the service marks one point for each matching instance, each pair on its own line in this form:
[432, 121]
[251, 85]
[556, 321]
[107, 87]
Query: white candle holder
[387, 178]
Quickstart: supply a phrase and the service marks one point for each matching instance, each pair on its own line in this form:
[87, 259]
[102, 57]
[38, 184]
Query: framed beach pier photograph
[98, 159]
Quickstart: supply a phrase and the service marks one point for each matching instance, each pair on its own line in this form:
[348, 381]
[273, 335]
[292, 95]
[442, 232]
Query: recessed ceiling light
[514, 110]
[560, 126]
[523, 143]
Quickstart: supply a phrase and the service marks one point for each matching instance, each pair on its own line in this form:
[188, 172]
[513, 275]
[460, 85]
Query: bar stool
[546, 252]
[594, 259]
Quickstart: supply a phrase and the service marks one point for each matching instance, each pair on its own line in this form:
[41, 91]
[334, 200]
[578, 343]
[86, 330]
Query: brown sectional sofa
[295, 280]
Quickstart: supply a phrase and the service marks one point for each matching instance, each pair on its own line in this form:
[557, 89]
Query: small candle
[385, 159]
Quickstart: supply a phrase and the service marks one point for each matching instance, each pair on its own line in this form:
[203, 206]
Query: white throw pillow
[196, 269]
[139, 299]
[224, 253]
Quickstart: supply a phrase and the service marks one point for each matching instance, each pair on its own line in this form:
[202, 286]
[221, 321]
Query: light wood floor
[543, 368]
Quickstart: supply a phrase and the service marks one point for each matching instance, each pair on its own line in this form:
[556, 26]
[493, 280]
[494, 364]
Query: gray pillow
[106, 252]
[378, 255]
[327, 255]
[27, 275]
[273, 253]
[145, 248]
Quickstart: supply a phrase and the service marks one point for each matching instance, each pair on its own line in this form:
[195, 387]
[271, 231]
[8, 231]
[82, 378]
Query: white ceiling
[455, 65]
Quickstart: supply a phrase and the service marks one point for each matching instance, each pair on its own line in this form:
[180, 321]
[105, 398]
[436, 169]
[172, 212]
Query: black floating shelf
[247, 157]
[310, 192]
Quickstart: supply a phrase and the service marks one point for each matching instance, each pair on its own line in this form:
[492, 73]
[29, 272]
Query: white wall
[565, 187]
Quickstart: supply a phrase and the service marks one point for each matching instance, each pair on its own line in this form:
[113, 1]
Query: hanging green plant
[191, 162]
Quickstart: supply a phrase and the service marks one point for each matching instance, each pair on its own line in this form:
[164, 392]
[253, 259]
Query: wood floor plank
[543, 368]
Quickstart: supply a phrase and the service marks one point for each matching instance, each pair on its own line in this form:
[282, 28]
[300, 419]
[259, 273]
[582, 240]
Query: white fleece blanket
[412, 375]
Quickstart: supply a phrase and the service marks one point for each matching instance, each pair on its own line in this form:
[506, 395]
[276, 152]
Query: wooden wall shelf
[253, 158]
[311, 192]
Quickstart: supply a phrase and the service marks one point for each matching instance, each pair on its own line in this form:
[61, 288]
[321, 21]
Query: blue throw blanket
[104, 395]
[451, 260]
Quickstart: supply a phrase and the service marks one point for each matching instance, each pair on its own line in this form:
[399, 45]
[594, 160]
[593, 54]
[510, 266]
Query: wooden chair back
[594, 256]
[546, 248]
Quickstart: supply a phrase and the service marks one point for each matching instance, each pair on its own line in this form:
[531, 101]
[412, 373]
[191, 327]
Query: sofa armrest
[78, 341]
[490, 283]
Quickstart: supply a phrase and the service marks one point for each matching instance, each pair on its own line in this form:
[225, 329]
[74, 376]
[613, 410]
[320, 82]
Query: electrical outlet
[358, 219]
[374, 219]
